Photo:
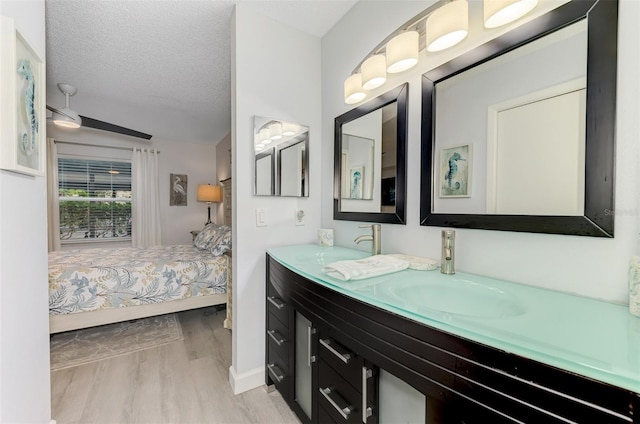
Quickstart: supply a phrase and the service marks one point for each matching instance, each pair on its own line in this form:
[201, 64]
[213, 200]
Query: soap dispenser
[447, 262]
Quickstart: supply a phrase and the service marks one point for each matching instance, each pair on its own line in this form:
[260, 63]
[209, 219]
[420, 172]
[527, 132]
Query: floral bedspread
[92, 279]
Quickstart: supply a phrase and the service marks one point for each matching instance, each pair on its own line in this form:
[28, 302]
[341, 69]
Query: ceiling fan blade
[58, 111]
[106, 126]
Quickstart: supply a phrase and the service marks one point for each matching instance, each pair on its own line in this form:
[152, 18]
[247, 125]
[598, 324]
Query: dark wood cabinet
[463, 381]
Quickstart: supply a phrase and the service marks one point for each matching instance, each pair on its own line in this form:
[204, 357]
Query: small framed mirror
[281, 158]
[370, 158]
[519, 133]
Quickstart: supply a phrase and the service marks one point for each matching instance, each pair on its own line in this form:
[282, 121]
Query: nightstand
[194, 234]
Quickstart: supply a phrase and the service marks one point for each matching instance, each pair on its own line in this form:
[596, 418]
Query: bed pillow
[204, 237]
[222, 243]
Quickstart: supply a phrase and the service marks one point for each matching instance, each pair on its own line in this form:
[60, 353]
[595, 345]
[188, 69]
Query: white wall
[195, 159]
[223, 168]
[592, 267]
[275, 72]
[24, 321]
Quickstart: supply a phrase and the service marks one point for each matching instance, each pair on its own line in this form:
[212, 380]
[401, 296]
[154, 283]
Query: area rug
[79, 347]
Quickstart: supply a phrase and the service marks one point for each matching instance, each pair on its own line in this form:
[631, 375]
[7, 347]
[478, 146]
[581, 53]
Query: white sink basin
[455, 296]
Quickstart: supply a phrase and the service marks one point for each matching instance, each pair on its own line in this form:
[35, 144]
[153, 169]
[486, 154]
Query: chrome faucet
[374, 238]
[447, 263]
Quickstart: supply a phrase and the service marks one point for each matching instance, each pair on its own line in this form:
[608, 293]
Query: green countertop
[586, 336]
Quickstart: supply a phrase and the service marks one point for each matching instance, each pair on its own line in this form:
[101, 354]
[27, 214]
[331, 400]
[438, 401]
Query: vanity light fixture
[447, 26]
[288, 129]
[263, 136]
[502, 12]
[374, 72]
[353, 92]
[402, 51]
[443, 25]
[275, 131]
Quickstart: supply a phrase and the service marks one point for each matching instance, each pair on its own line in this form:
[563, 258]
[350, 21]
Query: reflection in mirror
[530, 145]
[370, 160]
[264, 173]
[281, 158]
[526, 134]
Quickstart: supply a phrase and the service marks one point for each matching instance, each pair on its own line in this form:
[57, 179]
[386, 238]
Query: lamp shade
[353, 92]
[374, 72]
[209, 193]
[501, 12]
[71, 120]
[402, 52]
[448, 25]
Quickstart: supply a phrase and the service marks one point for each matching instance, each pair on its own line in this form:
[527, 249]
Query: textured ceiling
[161, 66]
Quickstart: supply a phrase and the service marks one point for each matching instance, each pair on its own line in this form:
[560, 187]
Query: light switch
[261, 217]
[300, 217]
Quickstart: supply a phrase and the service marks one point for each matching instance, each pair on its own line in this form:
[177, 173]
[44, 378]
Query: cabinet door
[305, 365]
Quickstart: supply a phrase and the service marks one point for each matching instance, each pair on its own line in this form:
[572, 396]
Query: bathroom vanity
[443, 348]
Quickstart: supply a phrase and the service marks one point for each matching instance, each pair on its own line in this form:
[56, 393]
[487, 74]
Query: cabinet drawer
[339, 398]
[276, 305]
[324, 417]
[344, 361]
[277, 336]
[277, 371]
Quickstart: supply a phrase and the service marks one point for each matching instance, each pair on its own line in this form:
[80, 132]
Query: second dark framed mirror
[370, 160]
[519, 133]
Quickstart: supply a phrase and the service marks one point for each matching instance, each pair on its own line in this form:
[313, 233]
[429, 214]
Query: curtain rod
[104, 147]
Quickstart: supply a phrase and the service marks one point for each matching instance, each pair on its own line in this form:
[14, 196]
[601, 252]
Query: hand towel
[372, 266]
[418, 262]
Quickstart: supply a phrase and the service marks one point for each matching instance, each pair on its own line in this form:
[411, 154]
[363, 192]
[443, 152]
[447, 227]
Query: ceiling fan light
[447, 26]
[374, 72]
[502, 12]
[402, 52]
[353, 92]
[72, 120]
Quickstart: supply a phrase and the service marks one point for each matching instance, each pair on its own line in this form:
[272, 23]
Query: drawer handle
[311, 358]
[344, 357]
[276, 302]
[275, 372]
[327, 393]
[366, 410]
[276, 337]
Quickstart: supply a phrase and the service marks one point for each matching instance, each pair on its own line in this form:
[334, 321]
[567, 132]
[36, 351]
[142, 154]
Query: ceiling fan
[68, 118]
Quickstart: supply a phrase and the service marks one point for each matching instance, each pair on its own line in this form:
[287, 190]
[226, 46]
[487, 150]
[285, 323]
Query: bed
[90, 287]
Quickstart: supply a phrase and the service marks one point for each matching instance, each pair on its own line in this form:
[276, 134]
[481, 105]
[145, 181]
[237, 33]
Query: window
[95, 200]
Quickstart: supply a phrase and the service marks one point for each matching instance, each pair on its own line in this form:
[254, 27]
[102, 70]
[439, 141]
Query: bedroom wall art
[22, 110]
[178, 190]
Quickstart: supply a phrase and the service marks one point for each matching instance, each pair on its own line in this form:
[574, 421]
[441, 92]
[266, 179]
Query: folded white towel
[372, 266]
[418, 262]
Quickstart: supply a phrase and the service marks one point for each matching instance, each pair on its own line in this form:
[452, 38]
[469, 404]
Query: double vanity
[443, 348]
[421, 346]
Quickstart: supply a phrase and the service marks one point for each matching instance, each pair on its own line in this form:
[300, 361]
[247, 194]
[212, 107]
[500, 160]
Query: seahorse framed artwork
[455, 171]
[22, 105]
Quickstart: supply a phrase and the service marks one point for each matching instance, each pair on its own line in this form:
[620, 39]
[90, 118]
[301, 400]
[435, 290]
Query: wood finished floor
[182, 382]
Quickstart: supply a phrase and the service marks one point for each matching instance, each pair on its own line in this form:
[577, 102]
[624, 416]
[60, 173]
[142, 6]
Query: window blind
[95, 200]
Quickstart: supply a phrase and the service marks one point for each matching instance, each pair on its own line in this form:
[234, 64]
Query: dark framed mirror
[537, 153]
[370, 160]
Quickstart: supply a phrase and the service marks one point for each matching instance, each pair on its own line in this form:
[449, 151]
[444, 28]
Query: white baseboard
[246, 381]
[52, 422]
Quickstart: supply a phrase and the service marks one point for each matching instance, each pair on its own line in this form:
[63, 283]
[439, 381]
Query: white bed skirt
[68, 322]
